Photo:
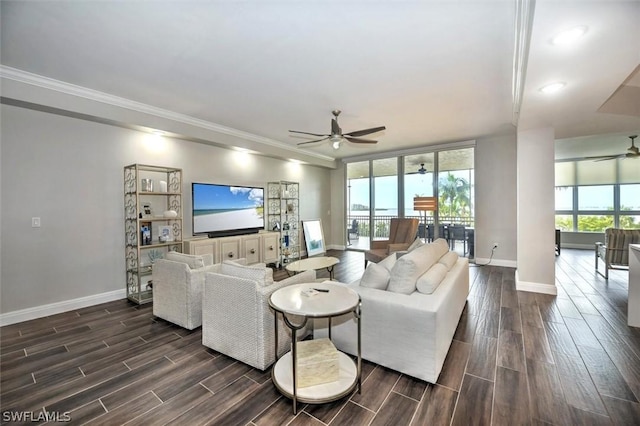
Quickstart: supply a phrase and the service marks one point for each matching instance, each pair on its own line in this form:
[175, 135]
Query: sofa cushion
[430, 280]
[375, 276]
[389, 261]
[257, 272]
[449, 259]
[411, 266]
[193, 261]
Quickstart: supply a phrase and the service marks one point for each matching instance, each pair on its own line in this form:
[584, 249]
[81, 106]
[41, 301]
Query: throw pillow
[257, 272]
[411, 266]
[389, 261]
[194, 262]
[415, 244]
[449, 259]
[431, 279]
[375, 276]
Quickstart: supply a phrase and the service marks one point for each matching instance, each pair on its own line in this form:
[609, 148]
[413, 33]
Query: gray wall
[581, 240]
[69, 172]
[496, 214]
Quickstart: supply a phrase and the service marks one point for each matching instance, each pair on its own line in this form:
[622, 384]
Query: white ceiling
[430, 71]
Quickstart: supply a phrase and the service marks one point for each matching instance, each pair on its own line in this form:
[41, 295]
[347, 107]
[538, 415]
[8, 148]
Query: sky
[598, 197]
[387, 190]
[207, 197]
[590, 197]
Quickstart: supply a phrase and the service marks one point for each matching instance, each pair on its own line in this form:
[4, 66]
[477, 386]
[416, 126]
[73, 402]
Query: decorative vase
[146, 185]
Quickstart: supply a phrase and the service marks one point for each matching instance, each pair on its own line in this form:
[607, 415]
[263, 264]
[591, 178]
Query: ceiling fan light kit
[336, 137]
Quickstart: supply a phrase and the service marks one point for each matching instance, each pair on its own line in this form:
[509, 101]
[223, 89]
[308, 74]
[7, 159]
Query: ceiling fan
[337, 137]
[634, 152]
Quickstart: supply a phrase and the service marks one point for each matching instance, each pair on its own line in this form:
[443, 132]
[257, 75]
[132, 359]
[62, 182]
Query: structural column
[536, 211]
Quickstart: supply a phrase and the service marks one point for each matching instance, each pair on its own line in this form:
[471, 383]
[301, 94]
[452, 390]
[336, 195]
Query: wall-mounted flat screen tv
[220, 210]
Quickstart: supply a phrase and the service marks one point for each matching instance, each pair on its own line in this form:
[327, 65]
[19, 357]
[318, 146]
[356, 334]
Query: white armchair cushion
[375, 276]
[193, 261]
[431, 279]
[449, 259]
[257, 272]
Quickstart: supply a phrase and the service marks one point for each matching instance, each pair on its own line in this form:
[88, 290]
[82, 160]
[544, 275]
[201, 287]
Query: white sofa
[236, 318]
[410, 333]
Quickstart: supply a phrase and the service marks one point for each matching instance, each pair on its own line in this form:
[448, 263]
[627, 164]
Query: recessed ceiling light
[569, 36]
[553, 87]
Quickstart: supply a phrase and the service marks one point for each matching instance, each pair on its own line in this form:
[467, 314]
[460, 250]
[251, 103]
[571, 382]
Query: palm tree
[454, 192]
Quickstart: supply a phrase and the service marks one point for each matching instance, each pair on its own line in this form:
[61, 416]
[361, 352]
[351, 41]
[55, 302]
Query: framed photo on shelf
[146, 210]
[165, 233]
[145, 233]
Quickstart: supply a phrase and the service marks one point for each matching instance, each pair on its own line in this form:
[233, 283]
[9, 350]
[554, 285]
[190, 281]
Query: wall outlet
[495, 246]
[35, 222]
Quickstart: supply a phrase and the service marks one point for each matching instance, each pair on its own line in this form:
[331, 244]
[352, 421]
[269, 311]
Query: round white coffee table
[331, 300]
[314, 263]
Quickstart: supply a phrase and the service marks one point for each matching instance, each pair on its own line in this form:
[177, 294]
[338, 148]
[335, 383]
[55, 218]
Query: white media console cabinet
[261, 247]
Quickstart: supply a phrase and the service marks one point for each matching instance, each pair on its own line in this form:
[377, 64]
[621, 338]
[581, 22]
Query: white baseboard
[577, 246]
[535, 287]
[336, 247]
[59, 307]
[497, 262]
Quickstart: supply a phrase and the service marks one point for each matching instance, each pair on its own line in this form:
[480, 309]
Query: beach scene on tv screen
[221, 208]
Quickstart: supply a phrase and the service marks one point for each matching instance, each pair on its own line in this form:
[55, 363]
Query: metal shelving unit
[144, 218]
[283, 215]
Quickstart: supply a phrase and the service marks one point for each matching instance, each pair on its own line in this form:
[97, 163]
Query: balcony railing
[381, 224]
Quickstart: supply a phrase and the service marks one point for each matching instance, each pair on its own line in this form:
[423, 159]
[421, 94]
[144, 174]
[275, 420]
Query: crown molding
[523, 28]
[25, 77]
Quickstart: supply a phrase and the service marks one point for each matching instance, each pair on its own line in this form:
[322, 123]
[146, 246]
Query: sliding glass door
[381, 189]
[385, 196]
[358, 205]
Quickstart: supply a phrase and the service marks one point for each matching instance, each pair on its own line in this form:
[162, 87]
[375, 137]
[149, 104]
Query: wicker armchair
[236, 318]
[402, 232]
[614, 252]
[177, 288]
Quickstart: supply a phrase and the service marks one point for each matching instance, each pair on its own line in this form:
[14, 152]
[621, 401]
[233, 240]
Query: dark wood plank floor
[517, 358]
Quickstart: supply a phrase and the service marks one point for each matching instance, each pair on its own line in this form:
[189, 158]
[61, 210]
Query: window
[564, 197]
[383, 188]
[591, 196]
[630, 197]
[455, 186]
[358, 199]
[418, 180]
[385, 191]
[564, 222]
[595, 197]
[594, 223]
